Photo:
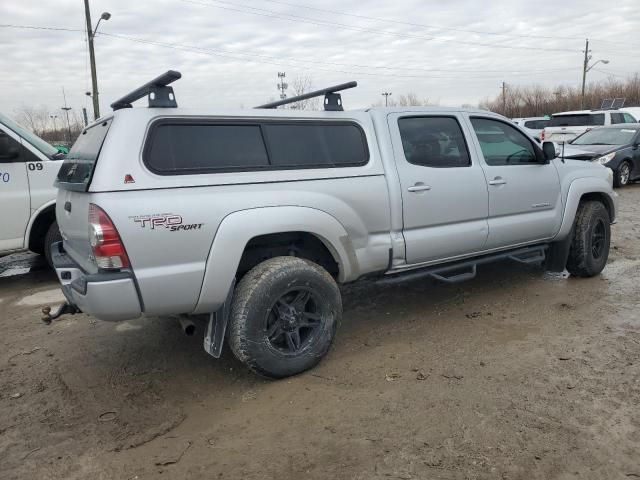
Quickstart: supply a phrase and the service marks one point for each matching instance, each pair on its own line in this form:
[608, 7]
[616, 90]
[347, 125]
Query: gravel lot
[514, 375]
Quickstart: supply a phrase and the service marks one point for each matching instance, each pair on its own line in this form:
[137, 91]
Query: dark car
[614, 146]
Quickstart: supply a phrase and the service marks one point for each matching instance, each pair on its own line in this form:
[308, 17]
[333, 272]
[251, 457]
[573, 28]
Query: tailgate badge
[128, 178]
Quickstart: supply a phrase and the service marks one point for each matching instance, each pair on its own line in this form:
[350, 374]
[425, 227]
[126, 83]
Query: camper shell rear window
[78, 166]
[188, 146]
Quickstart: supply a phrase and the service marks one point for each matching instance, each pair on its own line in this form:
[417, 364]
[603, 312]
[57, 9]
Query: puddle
[46, 297]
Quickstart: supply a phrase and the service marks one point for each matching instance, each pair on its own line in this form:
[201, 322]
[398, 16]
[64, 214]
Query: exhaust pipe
[187, 325]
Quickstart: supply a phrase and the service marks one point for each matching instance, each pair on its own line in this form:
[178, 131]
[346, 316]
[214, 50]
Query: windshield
[577, 120]
[606, 136]
[33, 139]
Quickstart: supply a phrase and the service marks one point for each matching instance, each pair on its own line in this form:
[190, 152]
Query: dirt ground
[516, 374]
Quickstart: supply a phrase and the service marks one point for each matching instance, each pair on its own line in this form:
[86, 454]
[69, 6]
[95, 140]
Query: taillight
[106, 244]
[542, 135]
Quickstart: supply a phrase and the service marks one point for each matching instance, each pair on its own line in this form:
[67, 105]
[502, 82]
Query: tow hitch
[63, 309]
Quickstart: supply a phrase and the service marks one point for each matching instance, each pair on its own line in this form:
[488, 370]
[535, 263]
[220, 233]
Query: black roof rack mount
[332, 99]
[159, 94]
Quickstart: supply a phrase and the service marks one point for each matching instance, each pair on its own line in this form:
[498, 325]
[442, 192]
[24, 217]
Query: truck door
[444, 192]
[14, 192]
[525, 204]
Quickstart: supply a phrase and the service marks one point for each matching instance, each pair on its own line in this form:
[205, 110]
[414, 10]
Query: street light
[586, 67]
[91, 33]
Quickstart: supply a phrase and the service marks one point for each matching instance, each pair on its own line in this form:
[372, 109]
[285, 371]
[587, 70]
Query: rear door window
[436, 142]
[536, 124]
[77, 168]
[617, 118]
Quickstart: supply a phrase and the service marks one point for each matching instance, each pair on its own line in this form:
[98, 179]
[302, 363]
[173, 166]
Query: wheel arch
[583, 189]
[240, 229]
[38, 226]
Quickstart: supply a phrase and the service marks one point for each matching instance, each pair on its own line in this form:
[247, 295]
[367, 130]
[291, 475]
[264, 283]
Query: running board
[466, 270]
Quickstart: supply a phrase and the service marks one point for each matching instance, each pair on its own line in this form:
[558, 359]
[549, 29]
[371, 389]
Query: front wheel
[622, 175]
[284, 315]
[591, 239]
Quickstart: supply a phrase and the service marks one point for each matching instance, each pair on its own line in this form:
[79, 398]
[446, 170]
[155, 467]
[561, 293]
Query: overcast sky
[229, 52]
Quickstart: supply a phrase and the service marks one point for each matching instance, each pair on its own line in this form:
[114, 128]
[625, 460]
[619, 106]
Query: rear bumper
[107, 296]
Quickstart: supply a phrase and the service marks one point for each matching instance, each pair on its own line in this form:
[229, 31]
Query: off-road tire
[620, 179]
[257, 294]
[52, 236]
[582, 262]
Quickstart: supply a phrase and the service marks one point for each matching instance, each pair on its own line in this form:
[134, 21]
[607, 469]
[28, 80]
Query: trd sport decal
[170, 221]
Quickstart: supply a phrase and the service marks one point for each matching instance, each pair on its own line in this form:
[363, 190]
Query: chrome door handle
[419, 188]
[497, 181]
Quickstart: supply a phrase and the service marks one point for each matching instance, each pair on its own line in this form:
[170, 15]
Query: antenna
[332, 99]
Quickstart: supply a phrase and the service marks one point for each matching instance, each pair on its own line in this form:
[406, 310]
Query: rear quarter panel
[168, 223]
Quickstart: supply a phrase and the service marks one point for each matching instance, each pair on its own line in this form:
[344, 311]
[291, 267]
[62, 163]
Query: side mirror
[549, 150]
[11, 154]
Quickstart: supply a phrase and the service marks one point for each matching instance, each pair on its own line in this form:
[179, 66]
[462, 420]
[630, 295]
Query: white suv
[28, 168]
[565, 126]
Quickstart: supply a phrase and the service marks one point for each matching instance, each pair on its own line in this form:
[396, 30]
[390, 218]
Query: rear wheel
[591, 239]
[52, 236]
[622, 174]
[284, 315]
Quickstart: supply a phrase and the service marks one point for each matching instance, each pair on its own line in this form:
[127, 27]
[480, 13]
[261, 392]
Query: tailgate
[72, 214]
[72, 205]
[562, 135]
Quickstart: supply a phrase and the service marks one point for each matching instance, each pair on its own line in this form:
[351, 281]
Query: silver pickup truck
[252, 218]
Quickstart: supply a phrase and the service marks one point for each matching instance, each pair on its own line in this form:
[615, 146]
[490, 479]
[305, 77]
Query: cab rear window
[177, 147]
[77, 168]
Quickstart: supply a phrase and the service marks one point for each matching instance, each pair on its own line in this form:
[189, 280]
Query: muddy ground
[513, 375]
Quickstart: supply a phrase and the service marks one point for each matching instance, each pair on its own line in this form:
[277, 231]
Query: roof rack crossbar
[159, 94]
[332, 100]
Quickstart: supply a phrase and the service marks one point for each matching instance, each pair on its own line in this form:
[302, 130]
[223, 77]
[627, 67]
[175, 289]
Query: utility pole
[66, 112]
[91, 33]
[386, 98]
[504, 99]
[282, 85]
[584, 70]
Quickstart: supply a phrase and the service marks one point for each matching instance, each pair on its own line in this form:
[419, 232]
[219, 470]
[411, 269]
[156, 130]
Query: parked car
[254, 217]
[615, 146]
[633, 111]
[28, 169]
[532, 125]
[565, 126]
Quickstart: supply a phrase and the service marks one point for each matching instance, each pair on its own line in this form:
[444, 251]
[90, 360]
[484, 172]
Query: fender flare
[238, 228]
[34, 217]
[577, 189]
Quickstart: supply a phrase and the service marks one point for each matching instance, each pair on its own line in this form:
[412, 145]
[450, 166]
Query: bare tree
[39, 120]
[535, 100]
[410, 99]
[304, 84]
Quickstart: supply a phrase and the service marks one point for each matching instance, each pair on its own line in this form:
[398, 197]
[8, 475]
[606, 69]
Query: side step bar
[466, 269]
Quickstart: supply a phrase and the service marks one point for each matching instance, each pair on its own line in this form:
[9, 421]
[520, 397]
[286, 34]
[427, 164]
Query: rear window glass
[536, 124]
[186, 147]
[578, 120]
[77, 168]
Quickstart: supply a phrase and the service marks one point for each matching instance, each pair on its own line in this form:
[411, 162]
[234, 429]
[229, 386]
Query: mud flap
[217, 326]
[558, 254]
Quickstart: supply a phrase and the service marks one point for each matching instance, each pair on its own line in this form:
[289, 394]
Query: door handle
[419, 188]
[497, 181]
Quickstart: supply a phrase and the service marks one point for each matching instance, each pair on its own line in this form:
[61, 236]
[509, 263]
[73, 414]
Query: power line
[298, 18]
[266, 59]
[412, 24]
